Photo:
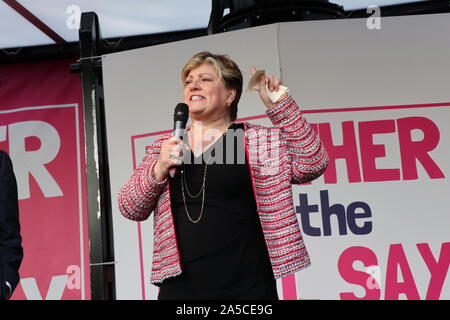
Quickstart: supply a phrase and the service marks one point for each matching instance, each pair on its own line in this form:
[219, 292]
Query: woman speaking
[225, 225]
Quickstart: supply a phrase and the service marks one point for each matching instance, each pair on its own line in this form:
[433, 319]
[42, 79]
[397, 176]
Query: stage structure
[242, 14]
[97, 169]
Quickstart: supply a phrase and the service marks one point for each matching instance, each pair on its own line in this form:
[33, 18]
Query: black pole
[97, 167]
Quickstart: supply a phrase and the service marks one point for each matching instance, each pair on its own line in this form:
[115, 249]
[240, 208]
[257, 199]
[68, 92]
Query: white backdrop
[388, 88]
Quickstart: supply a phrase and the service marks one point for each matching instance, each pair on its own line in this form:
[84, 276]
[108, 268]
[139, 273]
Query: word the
[345, 216]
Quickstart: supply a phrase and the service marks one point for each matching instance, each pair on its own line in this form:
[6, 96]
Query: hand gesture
[273, 84]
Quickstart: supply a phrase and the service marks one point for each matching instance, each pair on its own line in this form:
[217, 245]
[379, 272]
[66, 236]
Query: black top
[224, 255]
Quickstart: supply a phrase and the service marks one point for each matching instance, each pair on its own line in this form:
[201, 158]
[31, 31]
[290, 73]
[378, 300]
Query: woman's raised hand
[273, 84]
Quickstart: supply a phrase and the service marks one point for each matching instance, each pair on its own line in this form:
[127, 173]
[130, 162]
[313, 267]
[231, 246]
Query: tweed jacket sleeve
[308, 156]
[139, 196]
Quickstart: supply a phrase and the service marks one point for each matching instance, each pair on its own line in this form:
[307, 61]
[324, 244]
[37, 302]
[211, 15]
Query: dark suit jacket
[11, 252]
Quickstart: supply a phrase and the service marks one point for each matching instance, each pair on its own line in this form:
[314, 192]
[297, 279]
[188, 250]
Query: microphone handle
[179, 133]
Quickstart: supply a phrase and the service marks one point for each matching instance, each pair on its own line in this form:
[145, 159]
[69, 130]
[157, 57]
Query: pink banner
[41, 127]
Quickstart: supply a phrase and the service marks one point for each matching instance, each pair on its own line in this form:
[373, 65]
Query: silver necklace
[202, 189]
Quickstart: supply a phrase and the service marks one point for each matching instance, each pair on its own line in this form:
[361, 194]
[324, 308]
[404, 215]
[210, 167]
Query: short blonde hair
[227, 70]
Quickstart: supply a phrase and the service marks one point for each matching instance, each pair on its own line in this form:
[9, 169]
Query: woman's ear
[231, 96]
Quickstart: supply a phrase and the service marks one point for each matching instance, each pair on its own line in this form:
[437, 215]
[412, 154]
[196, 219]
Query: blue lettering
[345, 216]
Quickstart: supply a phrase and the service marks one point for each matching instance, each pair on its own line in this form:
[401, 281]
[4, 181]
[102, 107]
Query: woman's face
[206, 94]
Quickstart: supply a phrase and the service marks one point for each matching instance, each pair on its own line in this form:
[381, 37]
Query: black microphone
[180, 118]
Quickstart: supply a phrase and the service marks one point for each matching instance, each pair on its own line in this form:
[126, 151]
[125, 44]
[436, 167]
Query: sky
[117, 17]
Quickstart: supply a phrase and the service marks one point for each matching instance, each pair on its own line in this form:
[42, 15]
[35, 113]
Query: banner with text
[41, 128]
[376, 222]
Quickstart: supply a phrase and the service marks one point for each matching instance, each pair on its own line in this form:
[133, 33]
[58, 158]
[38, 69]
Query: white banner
[376, 223]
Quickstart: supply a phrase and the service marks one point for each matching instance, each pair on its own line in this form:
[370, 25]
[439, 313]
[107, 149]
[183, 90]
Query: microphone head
[181, 113]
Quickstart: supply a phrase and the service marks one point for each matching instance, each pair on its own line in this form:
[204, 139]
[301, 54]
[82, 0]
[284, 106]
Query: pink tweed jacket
[288, 153]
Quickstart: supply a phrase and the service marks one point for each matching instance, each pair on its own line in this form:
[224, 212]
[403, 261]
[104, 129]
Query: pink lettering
[396, 260]
[411, 150]
[347, 151]
[345, 266]
[370, 151]
[438, 269]
[289, 287]
[394, 288]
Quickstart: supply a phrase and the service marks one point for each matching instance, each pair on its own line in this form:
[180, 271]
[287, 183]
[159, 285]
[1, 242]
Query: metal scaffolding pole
[97, 168]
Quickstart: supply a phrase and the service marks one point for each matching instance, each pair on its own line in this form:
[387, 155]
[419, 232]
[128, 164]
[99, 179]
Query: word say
[396, 261]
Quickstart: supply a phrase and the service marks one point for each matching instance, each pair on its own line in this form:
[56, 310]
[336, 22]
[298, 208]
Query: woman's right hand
[170, 156]
[273, 84]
